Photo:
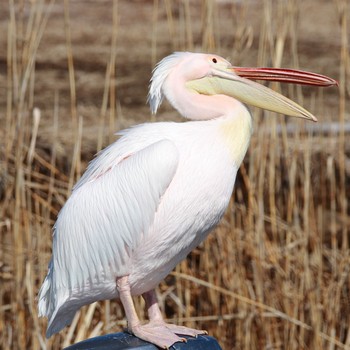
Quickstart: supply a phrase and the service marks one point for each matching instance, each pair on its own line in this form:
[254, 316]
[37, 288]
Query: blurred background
[275, 273]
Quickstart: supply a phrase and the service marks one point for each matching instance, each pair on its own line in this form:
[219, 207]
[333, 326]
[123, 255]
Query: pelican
[151, 197]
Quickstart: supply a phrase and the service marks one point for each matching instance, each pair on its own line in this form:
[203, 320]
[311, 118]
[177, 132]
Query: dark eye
[214, 60]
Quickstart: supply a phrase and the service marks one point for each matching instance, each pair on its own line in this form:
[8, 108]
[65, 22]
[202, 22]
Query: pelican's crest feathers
[160, 73]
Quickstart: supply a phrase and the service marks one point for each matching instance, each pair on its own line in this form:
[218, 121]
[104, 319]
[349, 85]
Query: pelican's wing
[99, 226]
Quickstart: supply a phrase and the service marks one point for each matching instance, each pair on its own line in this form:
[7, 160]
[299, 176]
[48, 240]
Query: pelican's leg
[156, 333]
[155, 316]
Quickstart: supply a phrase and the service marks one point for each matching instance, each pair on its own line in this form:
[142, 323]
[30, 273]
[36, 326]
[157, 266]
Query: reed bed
[275, 273]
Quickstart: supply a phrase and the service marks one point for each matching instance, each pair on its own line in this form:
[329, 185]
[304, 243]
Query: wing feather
[100, 225]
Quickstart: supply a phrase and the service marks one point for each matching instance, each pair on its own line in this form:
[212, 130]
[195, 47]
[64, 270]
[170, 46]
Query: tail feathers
[60, 304]
[46, 297]
[53, 306]
[59, 320]
[44, 301]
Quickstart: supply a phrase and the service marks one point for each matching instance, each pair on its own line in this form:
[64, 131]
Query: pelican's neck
[232, 117]
[195, 106]
[235, 130]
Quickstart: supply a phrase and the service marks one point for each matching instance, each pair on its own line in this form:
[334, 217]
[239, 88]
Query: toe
[156, 334]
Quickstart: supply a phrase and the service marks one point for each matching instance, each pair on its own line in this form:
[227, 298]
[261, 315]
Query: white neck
[196, 106]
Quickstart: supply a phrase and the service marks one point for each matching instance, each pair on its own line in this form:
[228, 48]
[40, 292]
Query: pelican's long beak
[235, 82]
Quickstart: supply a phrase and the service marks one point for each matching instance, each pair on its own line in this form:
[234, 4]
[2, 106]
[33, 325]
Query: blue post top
[126, 341]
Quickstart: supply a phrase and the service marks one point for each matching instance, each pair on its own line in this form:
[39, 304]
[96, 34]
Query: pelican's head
[207, 74]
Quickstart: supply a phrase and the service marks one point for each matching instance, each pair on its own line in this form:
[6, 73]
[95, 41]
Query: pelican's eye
[215, 60]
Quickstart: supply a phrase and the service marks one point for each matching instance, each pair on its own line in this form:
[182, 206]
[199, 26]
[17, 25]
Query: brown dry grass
[275, 274]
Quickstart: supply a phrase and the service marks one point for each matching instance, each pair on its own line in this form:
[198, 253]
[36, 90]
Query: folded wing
[100, 225]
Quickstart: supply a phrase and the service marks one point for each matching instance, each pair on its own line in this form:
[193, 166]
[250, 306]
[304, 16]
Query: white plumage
[124, 218]
[152, 196]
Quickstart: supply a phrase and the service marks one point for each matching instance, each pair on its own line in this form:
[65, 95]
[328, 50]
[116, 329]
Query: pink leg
[155, 317]
[156, 333]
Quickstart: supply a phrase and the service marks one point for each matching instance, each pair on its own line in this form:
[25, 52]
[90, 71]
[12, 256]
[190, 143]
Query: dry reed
[275, 274]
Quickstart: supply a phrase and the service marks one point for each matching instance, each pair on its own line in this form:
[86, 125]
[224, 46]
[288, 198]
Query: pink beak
[238, 83]
[291, 76]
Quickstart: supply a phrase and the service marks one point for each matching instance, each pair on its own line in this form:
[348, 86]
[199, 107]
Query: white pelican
[152, 196]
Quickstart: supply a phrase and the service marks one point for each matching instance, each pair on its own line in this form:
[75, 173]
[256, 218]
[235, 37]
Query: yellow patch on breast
[236, 132]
